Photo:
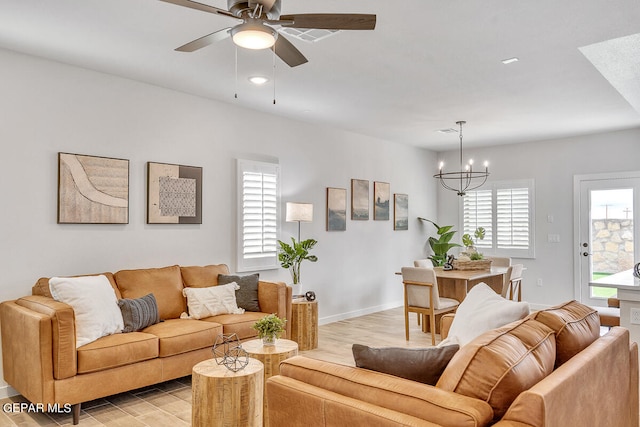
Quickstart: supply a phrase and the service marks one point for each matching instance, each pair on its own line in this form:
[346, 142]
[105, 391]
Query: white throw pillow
[94, 303]
[482, 310]
[211, 301]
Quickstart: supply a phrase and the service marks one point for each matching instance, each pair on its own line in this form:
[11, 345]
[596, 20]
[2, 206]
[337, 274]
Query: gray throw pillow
[247, 295]
[423, 365]
[139, 313]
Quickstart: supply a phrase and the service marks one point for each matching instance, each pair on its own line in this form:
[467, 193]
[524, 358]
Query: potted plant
[269, 328]
[291, 257]
[442, 244]
[470, 249]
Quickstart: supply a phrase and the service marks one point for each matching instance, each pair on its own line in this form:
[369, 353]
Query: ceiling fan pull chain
[236, 65]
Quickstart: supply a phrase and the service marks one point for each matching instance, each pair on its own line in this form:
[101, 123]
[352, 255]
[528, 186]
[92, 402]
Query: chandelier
[466, 179]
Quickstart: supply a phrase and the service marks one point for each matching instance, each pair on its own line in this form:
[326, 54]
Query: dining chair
[512, 287]
[497, 261]
[426, 263]
[421, 296]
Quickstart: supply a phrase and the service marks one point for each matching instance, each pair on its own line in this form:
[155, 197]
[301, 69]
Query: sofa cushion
[499, 364]
[164, 283]
[424, 365]
[247, 295]
[482, 310]
[94, 303]
[202, 276]
[139, 313]
[183, 335]
[239, 324]
[211, 301]
[117, 350]
[42, 285]
[576, 326]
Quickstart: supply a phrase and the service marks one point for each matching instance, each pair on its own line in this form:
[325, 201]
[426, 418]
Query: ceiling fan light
[253, 36]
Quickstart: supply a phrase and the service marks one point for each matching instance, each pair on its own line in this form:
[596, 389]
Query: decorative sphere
[310, 296]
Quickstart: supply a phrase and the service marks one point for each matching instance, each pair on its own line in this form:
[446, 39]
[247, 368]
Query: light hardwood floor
[169, 404]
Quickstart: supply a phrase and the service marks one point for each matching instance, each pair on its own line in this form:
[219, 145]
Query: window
[505, 210]
[258, 201]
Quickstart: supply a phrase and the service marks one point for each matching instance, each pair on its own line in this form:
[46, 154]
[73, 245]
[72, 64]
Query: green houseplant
[269, 328]
[468, 242]
[442, 244]
[291, 256]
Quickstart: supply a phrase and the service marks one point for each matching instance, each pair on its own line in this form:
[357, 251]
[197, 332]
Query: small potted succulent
[269, 328]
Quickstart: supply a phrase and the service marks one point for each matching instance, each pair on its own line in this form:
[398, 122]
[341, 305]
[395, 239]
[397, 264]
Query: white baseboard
[361, 312]
[7, 391]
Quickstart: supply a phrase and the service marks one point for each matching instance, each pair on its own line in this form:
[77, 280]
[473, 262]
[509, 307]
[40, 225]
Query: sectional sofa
[43, 363]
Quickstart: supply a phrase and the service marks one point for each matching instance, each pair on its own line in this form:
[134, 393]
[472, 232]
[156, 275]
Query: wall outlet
[635, 316]
[539, 283]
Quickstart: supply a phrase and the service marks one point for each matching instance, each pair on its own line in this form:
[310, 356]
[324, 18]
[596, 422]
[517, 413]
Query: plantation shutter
[477, 212]
[512, 217]
[258, 215]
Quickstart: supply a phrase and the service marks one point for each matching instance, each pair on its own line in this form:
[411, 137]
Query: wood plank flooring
[169, 403]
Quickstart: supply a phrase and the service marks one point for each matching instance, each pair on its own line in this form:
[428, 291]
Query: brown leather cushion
[116, 350]
[42, 285]
[202, 277]
[499, 364]
[182, 335]
[164, 283]
[576, 326]
[424, 365]
[239, 324]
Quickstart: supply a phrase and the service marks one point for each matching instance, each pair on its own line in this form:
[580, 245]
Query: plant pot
[268, 341]
[297, 290]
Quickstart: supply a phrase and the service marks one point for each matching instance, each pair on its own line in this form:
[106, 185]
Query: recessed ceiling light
[510, 60]
[258, 80]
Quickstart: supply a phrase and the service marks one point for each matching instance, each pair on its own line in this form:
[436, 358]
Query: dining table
[457, 283]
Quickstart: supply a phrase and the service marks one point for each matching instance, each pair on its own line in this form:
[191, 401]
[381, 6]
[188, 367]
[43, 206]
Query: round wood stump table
[304, 324]
[270, 356]
[225, 398]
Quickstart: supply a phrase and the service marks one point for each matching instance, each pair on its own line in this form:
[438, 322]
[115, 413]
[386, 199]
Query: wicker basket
[480, 264]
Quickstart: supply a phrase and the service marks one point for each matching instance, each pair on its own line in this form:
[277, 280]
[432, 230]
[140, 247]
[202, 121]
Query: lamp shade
[299, 212]
[251, 35]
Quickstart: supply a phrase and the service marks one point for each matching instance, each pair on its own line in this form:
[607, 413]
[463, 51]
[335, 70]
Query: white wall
[48, 107]
[552, 164]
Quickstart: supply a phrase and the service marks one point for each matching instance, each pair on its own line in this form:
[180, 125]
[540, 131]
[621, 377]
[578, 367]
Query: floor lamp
[299, 212]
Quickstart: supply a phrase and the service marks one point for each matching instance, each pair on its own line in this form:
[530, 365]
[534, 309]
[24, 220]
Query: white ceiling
[426, 65]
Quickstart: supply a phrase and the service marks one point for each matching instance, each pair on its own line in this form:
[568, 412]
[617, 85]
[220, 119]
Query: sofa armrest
[63, 332]
[386, 391]
[275, 297]
[26, 351]
[445, 325]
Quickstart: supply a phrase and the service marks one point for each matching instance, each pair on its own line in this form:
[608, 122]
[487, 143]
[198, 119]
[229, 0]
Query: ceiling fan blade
[331, 21]
[205, 41]
[200, 6]
[288, 52]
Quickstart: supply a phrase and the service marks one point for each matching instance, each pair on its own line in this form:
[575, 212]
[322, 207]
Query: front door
[608, 211]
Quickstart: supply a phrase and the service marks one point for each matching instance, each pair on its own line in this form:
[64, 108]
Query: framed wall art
[359, 199]
[400, 212]
[92, 189]
[336, 209]
[174, 194]
[381, 195]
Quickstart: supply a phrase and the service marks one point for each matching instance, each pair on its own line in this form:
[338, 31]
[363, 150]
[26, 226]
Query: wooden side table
[304, 324]
[222, 397]
[270, 356]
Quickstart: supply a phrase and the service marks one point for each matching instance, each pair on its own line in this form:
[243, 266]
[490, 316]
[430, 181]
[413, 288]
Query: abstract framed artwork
[359, 199]
[174, 194]
[92, 189]
[336, 209]
[381, 195]
[400, 212]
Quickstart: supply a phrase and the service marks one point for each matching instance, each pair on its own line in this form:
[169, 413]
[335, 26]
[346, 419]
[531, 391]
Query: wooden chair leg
[406, 323]
[432, 323]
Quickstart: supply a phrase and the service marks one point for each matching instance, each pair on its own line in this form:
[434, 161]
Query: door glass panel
[611, 235]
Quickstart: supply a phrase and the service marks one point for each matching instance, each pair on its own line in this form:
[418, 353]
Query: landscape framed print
[174, 194]
[92, 189]
[336, 209]
[381, 195]
[400, 212]
[359, 199]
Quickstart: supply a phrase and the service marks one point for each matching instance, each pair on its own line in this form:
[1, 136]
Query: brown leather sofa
[39, 354]
[551, 369]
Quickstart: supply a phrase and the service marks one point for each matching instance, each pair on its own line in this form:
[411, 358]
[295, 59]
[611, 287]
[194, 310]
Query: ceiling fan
[257, 32]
